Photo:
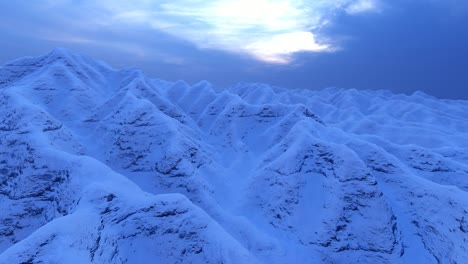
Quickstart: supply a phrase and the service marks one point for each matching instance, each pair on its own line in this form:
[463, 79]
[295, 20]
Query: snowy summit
[99, 165]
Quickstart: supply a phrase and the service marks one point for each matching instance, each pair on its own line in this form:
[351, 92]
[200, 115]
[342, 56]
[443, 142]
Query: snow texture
[99, 165]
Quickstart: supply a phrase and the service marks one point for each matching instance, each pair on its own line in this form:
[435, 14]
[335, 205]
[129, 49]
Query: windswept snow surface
[99, 165]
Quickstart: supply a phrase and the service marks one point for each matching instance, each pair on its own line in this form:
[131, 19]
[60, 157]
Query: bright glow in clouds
[278, 47]
[269, 30]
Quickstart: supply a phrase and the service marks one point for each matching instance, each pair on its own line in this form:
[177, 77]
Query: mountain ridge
[269, 174]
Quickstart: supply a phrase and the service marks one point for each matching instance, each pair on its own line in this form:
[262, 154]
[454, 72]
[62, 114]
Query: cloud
[278, 48]
[362, 6]
[268, 30]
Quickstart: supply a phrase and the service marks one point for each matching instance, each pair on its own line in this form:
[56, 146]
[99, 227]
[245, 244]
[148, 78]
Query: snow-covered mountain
[99, 165]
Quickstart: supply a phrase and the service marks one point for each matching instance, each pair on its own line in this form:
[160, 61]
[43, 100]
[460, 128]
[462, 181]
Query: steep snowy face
[99, 165]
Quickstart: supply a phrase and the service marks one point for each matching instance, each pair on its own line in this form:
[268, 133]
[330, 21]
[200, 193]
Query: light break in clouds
[269, 30]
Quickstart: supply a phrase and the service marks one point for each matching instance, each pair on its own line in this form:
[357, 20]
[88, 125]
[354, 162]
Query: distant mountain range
[99, 165]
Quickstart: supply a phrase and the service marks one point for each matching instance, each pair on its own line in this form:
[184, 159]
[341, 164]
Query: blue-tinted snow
[99, 165]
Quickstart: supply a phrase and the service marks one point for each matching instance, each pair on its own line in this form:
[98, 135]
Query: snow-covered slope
[99, 165]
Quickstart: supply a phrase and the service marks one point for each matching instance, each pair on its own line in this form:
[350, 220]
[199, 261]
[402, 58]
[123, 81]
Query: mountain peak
[68, 56]
[61, 65]
[58, 51]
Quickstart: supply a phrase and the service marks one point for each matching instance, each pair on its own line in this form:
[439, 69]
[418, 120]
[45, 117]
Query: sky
[397, 45]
